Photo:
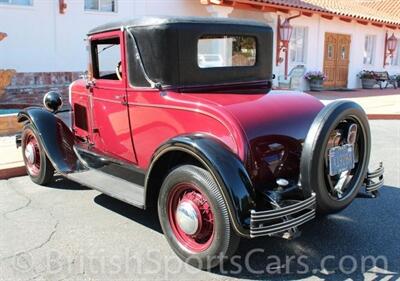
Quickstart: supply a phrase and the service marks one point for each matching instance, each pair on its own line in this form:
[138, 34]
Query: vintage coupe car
[209, 144]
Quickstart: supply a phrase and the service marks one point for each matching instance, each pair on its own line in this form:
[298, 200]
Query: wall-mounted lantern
[283, 35]
[3, 35]
[390, 47]
[62, 6]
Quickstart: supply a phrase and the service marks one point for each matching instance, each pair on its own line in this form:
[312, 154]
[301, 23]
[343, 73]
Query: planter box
[316, 85]
[368, 83]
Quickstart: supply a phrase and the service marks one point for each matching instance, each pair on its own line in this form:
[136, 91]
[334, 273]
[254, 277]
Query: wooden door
[336, 59]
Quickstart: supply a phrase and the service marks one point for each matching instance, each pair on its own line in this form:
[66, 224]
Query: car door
[111, 132]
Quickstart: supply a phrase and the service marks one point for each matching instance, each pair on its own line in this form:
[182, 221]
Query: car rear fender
[55, 136]
[225, 167]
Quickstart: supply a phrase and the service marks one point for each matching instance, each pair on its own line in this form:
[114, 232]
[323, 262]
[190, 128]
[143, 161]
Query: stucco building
[45, 42]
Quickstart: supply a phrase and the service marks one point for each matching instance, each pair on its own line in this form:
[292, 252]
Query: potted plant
[316, 80]
[368, 80]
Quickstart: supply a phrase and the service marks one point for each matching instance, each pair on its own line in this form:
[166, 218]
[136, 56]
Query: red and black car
[178, 113]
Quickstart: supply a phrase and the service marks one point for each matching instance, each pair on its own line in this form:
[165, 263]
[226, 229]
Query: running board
[115, 187]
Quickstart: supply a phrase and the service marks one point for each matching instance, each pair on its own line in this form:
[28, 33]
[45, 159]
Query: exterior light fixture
[390, 47]
[62, 6]
[284, 33]
[3, 35]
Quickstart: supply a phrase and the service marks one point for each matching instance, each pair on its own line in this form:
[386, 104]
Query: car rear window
[226, 51]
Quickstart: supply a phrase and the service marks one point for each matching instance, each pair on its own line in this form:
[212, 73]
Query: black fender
[226, 168]
[55, 136]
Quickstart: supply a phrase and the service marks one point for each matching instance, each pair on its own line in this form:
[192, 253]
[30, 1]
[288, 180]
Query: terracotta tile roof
[391, 7]
[380, 11]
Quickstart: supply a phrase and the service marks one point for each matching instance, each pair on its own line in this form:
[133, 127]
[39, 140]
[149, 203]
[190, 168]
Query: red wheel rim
[190, 195]
[31, 154]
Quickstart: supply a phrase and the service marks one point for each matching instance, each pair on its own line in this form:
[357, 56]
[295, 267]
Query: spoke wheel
[338, 124]
[342, 185]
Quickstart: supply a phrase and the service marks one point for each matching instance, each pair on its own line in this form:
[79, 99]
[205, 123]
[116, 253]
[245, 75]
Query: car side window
[106, 58]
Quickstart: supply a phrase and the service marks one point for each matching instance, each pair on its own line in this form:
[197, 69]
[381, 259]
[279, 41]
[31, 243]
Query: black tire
[46, 171]
[313, 173]
[224, 242]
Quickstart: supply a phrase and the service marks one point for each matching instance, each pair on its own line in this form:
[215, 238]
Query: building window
[298, 45]
[369, 49]
[396, 56]
[17, 2]
[100, 5]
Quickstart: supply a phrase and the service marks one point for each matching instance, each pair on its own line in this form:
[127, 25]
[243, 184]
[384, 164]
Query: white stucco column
[219, 11]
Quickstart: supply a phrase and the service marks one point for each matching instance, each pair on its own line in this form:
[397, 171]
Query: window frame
[373, 50]
[98, 10]
[292, 46]
[94, 62]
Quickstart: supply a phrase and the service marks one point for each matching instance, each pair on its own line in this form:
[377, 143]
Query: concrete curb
[12, 172]
[383, 116]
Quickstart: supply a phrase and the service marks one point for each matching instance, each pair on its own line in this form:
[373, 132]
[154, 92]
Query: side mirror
[52, 101]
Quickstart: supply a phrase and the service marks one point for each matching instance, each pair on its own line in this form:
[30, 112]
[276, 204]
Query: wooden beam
[391, 27]
[377, 24]
[363, 22]
[307, 14]
[328, 17]
[345, 19]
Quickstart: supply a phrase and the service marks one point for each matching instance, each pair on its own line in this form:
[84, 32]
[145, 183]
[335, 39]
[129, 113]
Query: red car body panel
[130, 123]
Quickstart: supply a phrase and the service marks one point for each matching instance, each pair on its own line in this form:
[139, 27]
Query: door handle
[124, 101]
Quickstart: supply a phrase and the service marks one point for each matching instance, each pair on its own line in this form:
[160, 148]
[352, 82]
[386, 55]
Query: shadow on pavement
[362, 238]
[334, 247]
[60, 182]
[148, 218]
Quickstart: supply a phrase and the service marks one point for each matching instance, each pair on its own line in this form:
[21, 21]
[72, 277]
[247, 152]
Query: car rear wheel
[194, 217]
[341, 127]
[38, 166]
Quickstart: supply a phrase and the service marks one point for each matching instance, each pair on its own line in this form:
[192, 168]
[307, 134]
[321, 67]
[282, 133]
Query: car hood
[275, 125]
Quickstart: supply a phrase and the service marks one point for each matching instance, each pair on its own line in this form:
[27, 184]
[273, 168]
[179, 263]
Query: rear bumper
[270, 222]
[288, 218]
[374, 180]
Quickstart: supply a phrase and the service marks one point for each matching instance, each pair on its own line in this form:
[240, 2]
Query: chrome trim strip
[261, 225]
[281, 227]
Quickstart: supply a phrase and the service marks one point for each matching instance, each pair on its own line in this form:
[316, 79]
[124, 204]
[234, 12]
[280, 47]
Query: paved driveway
[69, 232]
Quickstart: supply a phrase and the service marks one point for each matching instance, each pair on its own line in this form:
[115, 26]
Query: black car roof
[159, 21]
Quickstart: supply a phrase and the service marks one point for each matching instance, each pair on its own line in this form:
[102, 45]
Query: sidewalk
[11, 163]
[377, 103]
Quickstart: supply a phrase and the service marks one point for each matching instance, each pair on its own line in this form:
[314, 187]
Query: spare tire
[332, 129]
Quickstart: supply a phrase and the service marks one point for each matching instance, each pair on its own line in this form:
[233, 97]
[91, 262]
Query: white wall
[41, 39]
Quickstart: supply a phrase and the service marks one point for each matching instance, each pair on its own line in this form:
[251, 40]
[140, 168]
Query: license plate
[341, 159]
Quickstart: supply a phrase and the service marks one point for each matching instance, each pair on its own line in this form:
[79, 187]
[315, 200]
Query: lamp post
[284, 33]
[390, 47]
